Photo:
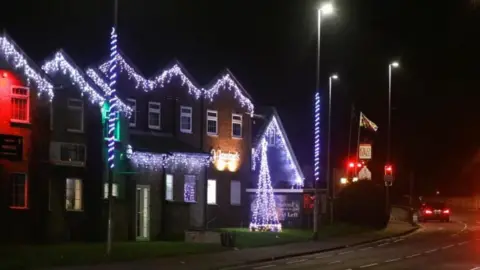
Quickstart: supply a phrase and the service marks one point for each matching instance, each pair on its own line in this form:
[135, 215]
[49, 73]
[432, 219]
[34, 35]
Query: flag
[367, 123]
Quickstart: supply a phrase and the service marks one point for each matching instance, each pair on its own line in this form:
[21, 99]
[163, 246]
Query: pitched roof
[19, 60]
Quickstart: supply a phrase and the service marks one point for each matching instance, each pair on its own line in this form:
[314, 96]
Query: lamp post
[330, 191]
[391, 66]
[325, 10]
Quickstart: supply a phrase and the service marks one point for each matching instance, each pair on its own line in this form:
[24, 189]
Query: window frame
[189, 115]
[214, 202]
[158, 111]
[56, 154]
[18, 96]
[185, 185]
[25, 191]
[133, 104]
[114, 190]
[239, 192]
[212, 118]
[238, 122]
[82, 109]
[75, 179]
[170, 191]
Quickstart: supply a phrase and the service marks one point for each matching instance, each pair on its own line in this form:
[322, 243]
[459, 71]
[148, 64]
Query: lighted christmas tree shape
[264, 216]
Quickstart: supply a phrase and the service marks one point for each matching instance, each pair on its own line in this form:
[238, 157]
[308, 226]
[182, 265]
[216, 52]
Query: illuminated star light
[264, 216]
[19, 61]
[225, 82]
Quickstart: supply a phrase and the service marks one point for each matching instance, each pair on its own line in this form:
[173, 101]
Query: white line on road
[384, 244]
[345, 252]
[264, 266]
[431, 250]
[393, 260]
[296, 261]
[449, 246]
[323, 257]
[463, 243]
[334, 262]
[398, 240]
[368, 265]
[476, 268]
[413, 255]
[367, 248]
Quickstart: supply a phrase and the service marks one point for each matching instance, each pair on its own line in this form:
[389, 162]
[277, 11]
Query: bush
[362, 203]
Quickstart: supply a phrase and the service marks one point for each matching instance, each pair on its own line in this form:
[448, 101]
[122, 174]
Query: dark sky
[270, 46]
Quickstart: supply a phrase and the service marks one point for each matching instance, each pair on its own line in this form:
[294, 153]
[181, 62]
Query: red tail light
[446, 211]
[428, 211]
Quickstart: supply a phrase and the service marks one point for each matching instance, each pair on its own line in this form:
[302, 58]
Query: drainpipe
[205, 170]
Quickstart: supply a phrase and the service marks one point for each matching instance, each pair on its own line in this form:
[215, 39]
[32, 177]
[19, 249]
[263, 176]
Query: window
[236, 125]
[20, 104]
[271, 139]
[212, 122]
[169, 187]
[75, 115]
[212, 191]
[114, 190]
[235, 193]
[133, 118]
[190, 189]
[186, 119]
[73, 194]
[19, 185]
[68, 153]
[154, 115]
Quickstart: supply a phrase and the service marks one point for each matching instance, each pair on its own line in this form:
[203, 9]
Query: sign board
[365, 151]
[365, 174]
[388, 180]
[11, 147]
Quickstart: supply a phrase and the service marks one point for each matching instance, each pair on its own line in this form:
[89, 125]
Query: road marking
[367, 248]
[413, 255]
[476, 268]
[384, 244]
[368, 265]
[324, 256]
[393, 260]
[345, 252]
[296, 261]
[334, 262]
[398, 240]
[449, 246]
[264, 266]
[432, 250]
[463, 243]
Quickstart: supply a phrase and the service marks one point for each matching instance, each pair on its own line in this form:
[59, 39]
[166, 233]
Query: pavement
[265, 257]
[436, 245]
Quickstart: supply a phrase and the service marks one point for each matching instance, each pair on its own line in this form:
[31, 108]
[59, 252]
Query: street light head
[334, 76]
[395, 64]
[326, 9]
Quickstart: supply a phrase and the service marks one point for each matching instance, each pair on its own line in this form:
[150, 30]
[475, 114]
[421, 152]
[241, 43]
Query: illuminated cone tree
[264, 216]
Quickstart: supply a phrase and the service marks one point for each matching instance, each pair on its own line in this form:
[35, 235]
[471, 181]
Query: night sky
[270, 46]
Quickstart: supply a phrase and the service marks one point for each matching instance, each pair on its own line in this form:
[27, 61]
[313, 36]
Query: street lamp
[325, 10]
[327, 174]
[391, 66]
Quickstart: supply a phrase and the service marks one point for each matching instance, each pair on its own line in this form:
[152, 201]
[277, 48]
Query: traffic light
[388, 177]
[389, 170]
[351, 165]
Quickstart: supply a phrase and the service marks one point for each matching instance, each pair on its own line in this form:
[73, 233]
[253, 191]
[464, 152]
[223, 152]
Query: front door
[142, 212]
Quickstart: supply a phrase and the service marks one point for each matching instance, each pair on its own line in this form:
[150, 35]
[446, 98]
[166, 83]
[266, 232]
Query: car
[434, 211]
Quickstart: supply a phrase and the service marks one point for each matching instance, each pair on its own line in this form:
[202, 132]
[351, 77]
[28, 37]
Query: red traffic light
[388, 169]
[359, 165]
[351, 165]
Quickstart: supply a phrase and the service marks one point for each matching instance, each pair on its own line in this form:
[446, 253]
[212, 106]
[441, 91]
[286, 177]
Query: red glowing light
[4, 75]
[428, 211]
[351, 164]
[359, 165]
[446, 211]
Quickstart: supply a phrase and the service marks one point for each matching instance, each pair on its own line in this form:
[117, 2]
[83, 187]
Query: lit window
[18, 182]
[235, 193]
[114, 190]
[72, 153]
[236, 125]
[154, 115]
[212, 122]
[169, 187]
[75, 115]
[186, 119]
[212, 191]
[133, 118]
[73, 194]
[20, 104]
[190, 189]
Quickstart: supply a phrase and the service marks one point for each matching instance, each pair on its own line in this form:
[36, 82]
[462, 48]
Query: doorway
[142, 212]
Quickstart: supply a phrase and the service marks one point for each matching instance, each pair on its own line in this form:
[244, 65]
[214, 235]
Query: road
[437, 245]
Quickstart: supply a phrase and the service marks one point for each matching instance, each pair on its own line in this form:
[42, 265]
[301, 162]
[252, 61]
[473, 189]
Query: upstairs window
[72, 153]
[186, 119]
[133, 118]
[20, 104]
[212, 122]
[73, 194]
[19, 189]
[75, 115]
[154, 115]
[236, 125]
